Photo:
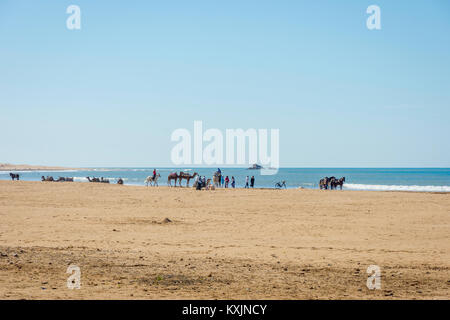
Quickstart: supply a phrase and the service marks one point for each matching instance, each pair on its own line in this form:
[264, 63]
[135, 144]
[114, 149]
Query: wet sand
[222, 244]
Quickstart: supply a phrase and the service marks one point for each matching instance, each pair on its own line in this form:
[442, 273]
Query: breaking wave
[83, 179]
[379, 187]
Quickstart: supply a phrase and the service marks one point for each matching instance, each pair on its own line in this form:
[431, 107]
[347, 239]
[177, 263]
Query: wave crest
[380, 187]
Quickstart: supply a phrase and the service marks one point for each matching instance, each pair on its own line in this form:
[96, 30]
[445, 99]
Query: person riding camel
[154, 174]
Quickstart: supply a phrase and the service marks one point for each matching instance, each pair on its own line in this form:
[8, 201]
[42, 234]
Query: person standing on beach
[233, 182]
[252, 181]
[246, 182]
[219, 175]
[222, 181]
[227, 180]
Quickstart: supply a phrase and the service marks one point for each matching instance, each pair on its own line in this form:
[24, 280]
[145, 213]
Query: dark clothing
[252, 182]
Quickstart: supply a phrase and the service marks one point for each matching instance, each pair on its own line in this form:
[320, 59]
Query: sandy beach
[222, 244]
[28, 167]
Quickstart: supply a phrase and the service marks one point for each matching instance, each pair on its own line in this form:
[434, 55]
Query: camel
[152, 181]
[94, 179]
[185, 175]
[172, 176]
[47, 179]
[14, 176]
[216, 179]
[63, 179]
[120, 181]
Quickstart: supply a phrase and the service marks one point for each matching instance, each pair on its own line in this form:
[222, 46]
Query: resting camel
[62, 179]
[152, 181]
[94, 179]
[185, 175]
[172, 176]
[47, 179]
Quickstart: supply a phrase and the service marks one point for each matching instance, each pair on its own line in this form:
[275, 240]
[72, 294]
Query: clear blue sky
[111, 93]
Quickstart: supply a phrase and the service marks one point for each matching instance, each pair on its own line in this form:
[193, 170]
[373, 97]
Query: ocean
[383, 179]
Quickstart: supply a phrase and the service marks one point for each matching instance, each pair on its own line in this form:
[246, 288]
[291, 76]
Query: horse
[151, 181]
[14, 176]
[323, 183]
[339, 182]
[280, 184]
[172, 176]
[187, 176]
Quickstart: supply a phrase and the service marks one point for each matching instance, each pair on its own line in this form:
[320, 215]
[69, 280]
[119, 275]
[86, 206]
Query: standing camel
[216, 179]
[152, 181]
[185, 175]
[172, 176]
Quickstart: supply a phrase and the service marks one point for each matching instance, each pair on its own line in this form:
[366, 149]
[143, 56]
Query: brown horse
[187, 176]
[172, 176]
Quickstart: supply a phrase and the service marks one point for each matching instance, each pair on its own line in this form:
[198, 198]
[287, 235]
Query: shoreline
[296, 179]
[237, 188]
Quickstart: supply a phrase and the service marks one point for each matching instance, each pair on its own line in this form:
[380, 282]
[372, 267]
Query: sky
[112, 93]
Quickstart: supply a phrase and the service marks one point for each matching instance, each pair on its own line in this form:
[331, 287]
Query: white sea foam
[84, 179]
[79, 179]
[379, 187]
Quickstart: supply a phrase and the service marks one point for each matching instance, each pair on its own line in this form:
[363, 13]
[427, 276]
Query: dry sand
[223, 244]
[28, 167]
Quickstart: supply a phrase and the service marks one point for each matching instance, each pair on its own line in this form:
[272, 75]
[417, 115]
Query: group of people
[224, 181]
[200, 182]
